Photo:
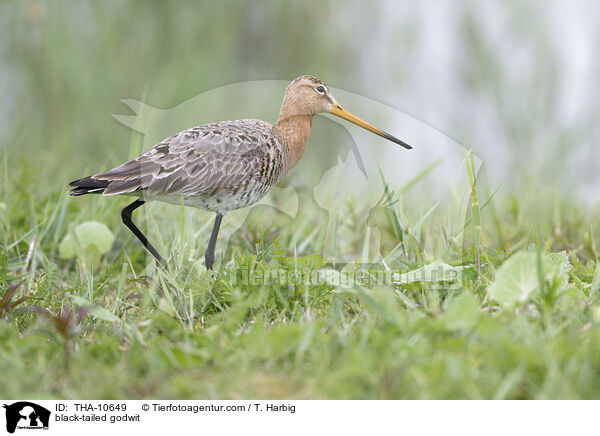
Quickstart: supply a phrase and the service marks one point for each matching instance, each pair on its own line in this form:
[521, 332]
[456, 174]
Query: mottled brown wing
[203, 160]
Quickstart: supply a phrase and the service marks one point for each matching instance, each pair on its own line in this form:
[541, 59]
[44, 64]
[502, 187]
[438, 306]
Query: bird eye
[321, 89]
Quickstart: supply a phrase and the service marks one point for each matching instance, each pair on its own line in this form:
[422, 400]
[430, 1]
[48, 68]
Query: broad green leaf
[517, 280]
[94, 238]
[462, 312]
[561, 267]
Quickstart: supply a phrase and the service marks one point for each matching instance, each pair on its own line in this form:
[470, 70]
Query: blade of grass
[475, 209]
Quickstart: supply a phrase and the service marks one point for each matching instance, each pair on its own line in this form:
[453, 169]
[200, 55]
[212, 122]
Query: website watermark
[436, 276]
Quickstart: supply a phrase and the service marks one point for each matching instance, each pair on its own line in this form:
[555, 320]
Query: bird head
[307, 95]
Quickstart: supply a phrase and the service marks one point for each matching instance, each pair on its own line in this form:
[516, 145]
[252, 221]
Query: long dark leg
[126, 216]
[209, 257]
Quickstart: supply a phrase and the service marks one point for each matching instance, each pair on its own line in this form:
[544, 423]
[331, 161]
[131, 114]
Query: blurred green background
[514, 81]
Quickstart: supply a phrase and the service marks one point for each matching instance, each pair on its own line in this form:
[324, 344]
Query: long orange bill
[343, 113]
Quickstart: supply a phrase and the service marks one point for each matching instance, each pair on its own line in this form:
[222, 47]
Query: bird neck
[293, 131]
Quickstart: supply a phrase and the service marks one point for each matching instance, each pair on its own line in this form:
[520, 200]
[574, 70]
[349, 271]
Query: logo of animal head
[26, 415]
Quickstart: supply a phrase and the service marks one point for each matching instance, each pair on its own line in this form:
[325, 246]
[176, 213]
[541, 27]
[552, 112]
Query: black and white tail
[88, 185]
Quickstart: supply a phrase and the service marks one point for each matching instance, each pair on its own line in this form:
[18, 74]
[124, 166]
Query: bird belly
[220, 202]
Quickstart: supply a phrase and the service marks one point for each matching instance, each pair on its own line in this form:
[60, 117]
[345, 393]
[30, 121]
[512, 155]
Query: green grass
[511, 327]
[122, 329]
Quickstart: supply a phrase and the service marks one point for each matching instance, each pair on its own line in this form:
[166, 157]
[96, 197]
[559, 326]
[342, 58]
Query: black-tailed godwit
[222, 166]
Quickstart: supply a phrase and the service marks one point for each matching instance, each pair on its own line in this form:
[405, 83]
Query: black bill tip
[397, 141]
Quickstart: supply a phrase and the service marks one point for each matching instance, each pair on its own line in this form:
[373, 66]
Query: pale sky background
[541, 48]
[516, 81]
